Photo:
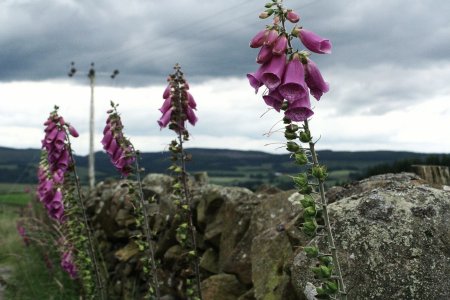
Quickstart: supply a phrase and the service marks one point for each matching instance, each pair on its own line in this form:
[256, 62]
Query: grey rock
[393, 241]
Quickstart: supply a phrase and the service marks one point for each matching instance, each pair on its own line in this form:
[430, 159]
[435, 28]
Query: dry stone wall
[392, 231]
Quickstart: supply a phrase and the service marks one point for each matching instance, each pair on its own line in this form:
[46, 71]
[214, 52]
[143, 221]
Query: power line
[206, 29]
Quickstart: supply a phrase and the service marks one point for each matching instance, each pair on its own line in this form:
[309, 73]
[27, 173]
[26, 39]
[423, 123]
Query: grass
[30, 279]
[12, 188]
[19, 199]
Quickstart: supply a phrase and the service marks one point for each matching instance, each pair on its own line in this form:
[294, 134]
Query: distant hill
[224, 166]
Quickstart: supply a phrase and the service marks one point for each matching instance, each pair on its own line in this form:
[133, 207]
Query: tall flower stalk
[125, 158]
[58, 181]
[177, 109]
[290, 76]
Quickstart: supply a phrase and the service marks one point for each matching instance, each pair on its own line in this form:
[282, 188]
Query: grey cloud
[209, 38]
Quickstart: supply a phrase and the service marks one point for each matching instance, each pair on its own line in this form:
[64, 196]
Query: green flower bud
[301, 180]
[331, 287]
[325, 272]
[311, 251]
[309, 228]
[290, 135]
[300, 158]
[310, 211]
[265, 14]
[295, 31]
[287, 120]
[327, 260]
[320, 172]
[292, 146]
[307, 201]
[269, 5]
[292, 127]
[305, 136]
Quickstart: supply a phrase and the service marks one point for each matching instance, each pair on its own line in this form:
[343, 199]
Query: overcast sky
[389, 72]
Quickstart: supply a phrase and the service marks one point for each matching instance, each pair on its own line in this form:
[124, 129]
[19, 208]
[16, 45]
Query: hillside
[227, 167]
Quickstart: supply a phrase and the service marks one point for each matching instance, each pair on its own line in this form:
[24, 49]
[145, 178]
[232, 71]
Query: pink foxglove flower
[294, 86]
[178, 107]
[314, 42]
[271, 37]
[258, 40]
[264, 55]
[255, 78]
[55, 208]
[280, 45]
[314, 80]
[192, 118]
[118, 148]
[299, 110]
[274, 99]
[166, 93]
[68, 264]
[274, 73]
[73, 132]
[165, 118]
[54, 164]
[191, 101]
[167, 104]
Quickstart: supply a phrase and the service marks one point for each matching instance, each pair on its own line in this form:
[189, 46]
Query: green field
[30, 278]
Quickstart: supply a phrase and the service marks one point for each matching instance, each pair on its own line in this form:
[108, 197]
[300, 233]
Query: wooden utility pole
[91, 158]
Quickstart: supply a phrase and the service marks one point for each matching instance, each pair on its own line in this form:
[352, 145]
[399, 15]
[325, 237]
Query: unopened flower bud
[290, 135]
[269, 4]
[295, 31]
[292, 127]
[307, 201]
[287, 120]
[305, 136]
[265, 14]
[300, 158]
[271, 37]
[310, 211]
[292, 16]
[292, 146]
[320, 172]
[280, 45]
[326, 260]
[72, 131]
[311, 251]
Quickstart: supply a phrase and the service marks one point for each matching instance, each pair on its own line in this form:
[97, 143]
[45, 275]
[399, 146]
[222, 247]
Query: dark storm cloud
[209, 38]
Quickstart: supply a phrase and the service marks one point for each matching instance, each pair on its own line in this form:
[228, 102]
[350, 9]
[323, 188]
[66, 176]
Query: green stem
[91, 249]
[324, 204]
[148, 234]
[187, 196]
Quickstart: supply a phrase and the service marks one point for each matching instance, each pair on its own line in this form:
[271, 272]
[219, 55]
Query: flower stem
[192, 228]
[148, 234]
[181, 135]
[91, 247]
[324, 204]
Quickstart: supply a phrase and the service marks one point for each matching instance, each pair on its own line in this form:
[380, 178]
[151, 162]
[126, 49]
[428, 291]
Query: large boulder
[393, 240]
